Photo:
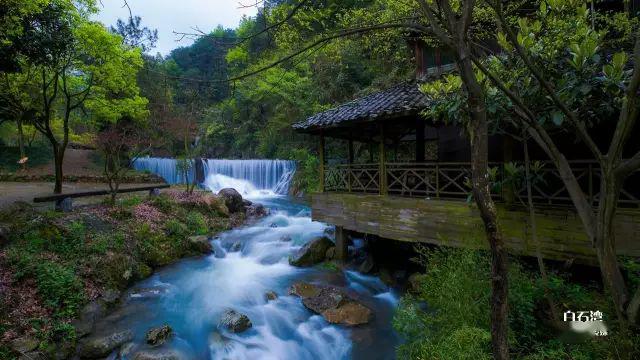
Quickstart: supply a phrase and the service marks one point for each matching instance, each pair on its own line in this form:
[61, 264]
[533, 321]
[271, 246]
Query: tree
[134, 35]
[121, 144]
[577, 86]
[89, 74]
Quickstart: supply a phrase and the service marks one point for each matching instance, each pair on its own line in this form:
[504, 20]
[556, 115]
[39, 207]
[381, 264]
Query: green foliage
[306, 178]
[59, 287]
[196, 223]
[163, 203]
[449, 317]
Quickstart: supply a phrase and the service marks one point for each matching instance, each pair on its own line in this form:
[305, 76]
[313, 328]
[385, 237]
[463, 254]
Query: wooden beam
[342, 248]
[321, 158]
[382, 163]
[96, 193]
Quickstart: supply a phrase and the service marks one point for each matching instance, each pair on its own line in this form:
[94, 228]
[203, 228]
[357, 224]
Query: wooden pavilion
[389, 171]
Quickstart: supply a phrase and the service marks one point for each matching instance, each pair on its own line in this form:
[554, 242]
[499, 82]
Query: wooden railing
[449, 180]
[363, 178]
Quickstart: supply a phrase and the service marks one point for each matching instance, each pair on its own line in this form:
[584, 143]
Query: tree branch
[581, 129]
[341, 34]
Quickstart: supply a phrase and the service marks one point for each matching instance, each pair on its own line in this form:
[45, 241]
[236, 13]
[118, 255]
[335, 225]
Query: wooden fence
[450, 180]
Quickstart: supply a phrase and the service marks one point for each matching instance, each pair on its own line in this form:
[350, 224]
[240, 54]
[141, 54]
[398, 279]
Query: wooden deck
[457, 224]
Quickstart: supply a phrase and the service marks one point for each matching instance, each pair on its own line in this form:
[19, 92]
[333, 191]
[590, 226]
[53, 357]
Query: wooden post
[321, 158]
[342, 248]
[349, 170]
[420, 125]
[382, 163]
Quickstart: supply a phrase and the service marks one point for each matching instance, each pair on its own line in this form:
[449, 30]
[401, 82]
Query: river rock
[159, 354]
[101, 345]
[158, 336]
[200, 243]
[237, 246]
[367, 265]
[110, 296]
[89, 314]
[270, 295]
[285, 238]
[24, 344]
[232, 199]
[256, 211]
[235, 321]
[332, 303]
[312, 252]
[304, 290]
[350, 313]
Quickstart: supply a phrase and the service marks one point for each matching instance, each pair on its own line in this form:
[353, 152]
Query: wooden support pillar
[321, 159]
[420, 145]
[349, 170]
[342, 246]
[382, 163]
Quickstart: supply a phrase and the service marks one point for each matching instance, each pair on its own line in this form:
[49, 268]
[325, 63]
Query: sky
[176, 15]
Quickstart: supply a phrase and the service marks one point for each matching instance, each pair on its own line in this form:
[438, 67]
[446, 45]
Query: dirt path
[11, 192]
[76, 162]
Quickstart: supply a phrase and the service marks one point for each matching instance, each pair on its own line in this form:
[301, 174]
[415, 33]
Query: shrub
[196, 223]
[162, 203]
[449, 316]
[59, 287]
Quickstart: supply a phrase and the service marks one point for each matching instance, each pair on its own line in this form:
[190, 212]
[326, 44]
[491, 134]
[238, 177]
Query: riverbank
[52, 264]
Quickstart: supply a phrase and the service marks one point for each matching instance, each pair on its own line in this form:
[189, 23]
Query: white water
[192, 295]
[253, 178]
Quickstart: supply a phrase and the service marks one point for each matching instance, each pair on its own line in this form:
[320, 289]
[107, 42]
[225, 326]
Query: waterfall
[249, 177]
[166, 168]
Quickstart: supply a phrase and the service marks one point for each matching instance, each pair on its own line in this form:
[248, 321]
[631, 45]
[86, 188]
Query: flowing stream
[191, 295]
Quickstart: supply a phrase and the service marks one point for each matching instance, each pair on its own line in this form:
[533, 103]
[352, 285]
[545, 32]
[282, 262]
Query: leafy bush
[130, 201]
[59, 287]
[306, 177]
[449, 316]
[196, 223]
[163, 203]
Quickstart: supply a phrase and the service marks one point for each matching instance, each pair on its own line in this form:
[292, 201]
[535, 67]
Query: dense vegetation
[447, 317]
[563, 68]
[57, 262]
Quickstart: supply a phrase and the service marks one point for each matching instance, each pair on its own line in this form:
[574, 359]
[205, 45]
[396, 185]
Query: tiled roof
[402, 98]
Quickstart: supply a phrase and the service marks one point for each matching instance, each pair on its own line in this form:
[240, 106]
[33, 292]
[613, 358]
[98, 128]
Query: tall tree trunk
[482, 195]
[534, 235]
[58, 158]
[604, 242]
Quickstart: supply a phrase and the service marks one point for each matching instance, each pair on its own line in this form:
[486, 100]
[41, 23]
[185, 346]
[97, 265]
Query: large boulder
[89, 315]
[158, 336]
[235, 321]
[312, 252]
[232, 199]
[200, 243]
[350, 313]
[101, 345]
[332, 303]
